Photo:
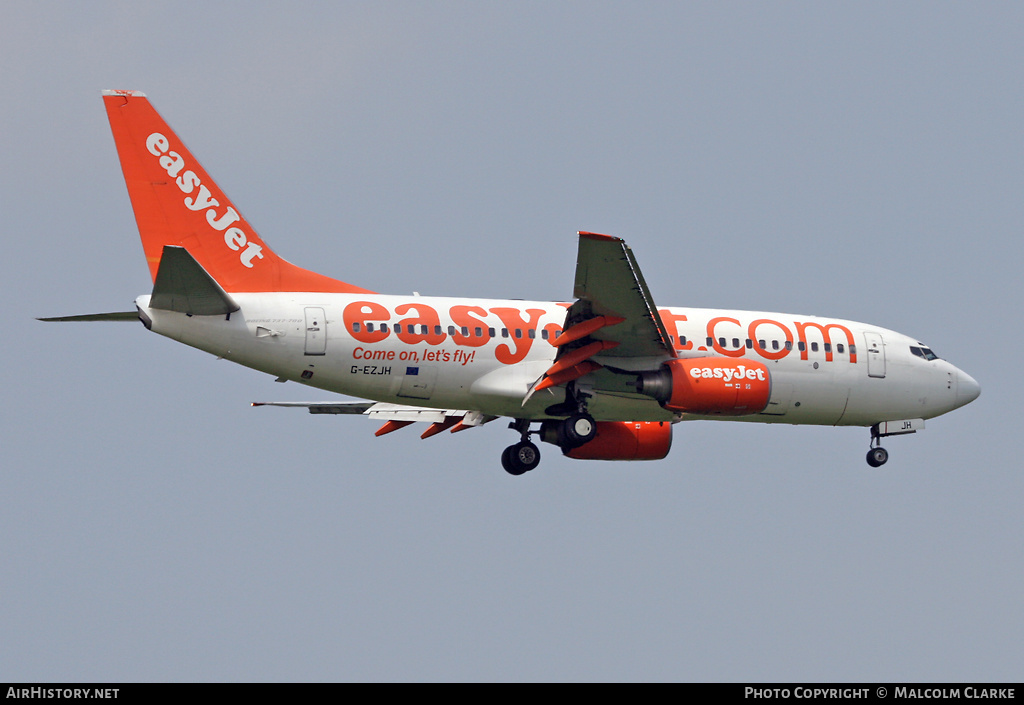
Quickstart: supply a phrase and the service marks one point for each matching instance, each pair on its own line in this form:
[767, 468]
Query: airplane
[605, 376]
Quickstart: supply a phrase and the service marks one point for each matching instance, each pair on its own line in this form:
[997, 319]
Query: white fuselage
[484, 355]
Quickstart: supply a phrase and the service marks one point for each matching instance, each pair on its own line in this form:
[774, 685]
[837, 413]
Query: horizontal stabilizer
[89, 317]
[183, 285]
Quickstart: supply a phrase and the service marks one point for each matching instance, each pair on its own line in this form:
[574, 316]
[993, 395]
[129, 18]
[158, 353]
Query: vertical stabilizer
[177, 204]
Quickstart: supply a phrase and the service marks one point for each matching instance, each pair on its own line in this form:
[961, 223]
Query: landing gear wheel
[519, 458]
[578, 429]
[877, 457]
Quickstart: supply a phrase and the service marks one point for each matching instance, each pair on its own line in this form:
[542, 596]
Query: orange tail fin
[177, 203]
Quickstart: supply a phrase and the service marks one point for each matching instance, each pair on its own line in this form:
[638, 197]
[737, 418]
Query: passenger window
[356, 326]
[682, 340]
[721, 342]
[750, 344]
[504, 332]
[383, 327]
[802, 345]
[735, 342]
[478, 332]
[814, 347]
[828, 347]
[544, 334]
[533, 333]
[760, 344]
[423, 329]
[789, 345]
[437, 330]
[369, 327]
[839, 347]
[853, 349]
[775, 345]
[490, 332]
[519, 332]
[451, 330]
[710, 342]
[398, 328]
[465, 331]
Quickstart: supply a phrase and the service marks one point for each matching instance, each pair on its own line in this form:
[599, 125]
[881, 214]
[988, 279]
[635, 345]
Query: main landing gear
[523, 456]
[576, 430]
[520, 458]
[569, 433]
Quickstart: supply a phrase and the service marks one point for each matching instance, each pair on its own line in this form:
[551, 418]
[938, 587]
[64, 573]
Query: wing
[395, 416]
[609, 284]
[614, 317]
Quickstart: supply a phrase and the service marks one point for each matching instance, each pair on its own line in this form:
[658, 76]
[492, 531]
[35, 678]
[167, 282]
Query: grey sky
[861, 161]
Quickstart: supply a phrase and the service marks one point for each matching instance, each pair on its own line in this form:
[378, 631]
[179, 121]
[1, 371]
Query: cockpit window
[926, 353]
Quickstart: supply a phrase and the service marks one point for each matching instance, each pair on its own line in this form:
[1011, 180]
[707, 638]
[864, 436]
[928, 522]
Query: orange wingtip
[598, 236]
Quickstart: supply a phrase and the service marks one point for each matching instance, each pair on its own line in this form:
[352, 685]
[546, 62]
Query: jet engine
[709, 385]
[619, 440]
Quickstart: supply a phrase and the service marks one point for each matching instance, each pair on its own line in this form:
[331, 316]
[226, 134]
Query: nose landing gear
[877, 455]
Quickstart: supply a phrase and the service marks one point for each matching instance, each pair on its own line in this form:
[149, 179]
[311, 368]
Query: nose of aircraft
[967, 388]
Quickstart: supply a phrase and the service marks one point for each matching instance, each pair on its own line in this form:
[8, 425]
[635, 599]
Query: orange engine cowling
[710, 385]
[626, 440]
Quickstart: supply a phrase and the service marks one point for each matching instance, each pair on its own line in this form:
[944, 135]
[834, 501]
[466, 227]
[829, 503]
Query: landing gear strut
[580, 427]
[877, 455]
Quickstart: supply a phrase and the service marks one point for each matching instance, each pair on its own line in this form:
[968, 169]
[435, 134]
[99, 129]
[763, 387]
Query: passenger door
[316, 331]
[875, 354]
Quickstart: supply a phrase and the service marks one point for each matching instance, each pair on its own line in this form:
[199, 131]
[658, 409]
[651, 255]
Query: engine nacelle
[626, 440]
[709, 385]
